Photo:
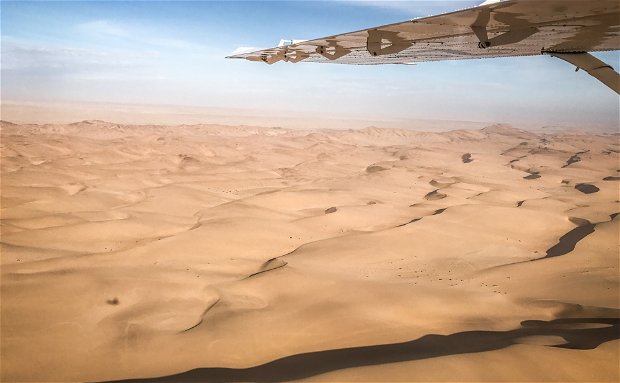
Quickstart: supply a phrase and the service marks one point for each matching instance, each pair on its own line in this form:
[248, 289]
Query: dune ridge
[235, 253]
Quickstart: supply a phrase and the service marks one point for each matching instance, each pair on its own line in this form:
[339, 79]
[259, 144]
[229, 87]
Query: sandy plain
[234, 253]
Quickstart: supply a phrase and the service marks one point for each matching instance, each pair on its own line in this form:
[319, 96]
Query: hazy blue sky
[173, 53]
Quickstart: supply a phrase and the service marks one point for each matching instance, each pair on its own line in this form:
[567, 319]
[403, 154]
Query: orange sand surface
[233, 253]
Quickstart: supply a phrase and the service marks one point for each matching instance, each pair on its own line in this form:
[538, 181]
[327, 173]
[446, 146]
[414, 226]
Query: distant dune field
[200, 253]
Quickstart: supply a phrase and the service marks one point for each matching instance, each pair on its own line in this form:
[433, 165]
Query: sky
[173, 53]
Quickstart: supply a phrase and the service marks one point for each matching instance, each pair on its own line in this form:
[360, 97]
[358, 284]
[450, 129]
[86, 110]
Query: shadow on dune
[568, 241]
[587, 188]
[579, 333]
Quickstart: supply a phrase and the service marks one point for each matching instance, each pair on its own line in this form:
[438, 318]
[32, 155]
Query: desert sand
[234, 253]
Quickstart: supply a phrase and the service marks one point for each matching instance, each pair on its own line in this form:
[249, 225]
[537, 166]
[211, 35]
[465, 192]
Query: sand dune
[238, 253]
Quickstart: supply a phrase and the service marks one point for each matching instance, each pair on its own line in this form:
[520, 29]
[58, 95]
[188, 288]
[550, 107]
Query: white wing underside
[510, 28]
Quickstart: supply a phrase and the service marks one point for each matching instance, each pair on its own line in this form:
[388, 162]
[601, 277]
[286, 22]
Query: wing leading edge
[502, 29]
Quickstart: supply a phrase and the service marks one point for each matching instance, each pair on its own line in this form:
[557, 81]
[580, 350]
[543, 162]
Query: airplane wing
[566, 29]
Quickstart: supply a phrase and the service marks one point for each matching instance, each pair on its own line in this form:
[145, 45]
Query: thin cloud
[166, 42]
[140, 36]
[103, 27]
[25, 56]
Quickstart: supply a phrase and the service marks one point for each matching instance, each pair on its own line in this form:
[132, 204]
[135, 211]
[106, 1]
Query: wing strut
[595, 67]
